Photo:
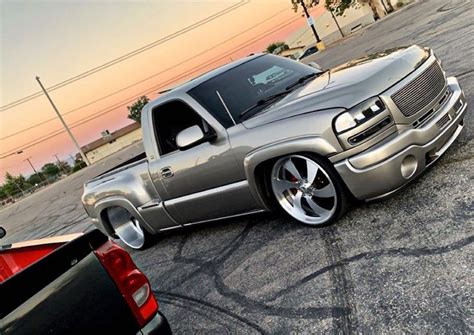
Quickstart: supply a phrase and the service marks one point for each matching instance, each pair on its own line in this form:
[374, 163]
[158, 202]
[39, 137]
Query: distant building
[110, 143]
[353, 19]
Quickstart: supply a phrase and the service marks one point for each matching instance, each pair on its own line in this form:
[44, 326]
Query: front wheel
[308, 189]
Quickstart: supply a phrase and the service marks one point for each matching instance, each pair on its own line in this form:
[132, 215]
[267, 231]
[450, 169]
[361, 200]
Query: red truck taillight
[131, 282]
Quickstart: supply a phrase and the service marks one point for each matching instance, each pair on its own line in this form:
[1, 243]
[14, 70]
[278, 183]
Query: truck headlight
[358, 114]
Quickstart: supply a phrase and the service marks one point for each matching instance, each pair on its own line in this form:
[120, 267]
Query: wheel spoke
[295, 177]
[297, 201]
[281, 185]
[312, 171]
[316, 208]
[325, 192]
[136, 225]
[291, 168]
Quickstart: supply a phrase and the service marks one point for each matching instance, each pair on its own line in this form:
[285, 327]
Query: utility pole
[59, 163]
[337, 23]
[84, 157]
[319, 43]
[36, 172]
[57, 159]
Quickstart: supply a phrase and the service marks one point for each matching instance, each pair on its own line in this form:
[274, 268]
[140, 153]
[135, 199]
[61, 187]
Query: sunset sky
[58, 40]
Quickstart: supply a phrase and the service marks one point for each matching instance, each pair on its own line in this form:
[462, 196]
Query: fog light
[408, 167]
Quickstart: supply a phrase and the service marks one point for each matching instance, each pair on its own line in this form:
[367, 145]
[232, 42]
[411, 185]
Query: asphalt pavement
[402, 265]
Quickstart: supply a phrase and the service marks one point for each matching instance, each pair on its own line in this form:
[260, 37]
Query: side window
[171, 118]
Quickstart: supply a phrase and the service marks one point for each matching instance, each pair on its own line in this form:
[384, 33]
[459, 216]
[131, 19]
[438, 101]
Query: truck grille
[421, 91]
[443, 121]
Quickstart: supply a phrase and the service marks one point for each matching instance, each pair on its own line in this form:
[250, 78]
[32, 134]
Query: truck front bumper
[387, 167]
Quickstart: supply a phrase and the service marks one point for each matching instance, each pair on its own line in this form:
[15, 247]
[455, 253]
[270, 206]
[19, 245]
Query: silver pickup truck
[266, 132]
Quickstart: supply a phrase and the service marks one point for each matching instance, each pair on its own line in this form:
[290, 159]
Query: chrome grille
[443, 121]
[421, 91]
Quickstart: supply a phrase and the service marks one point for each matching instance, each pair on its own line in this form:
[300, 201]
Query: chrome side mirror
[3, 232]
[316, 66]
[189, 137]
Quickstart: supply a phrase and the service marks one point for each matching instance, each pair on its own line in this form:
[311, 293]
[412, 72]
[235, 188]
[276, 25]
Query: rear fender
[102, 206]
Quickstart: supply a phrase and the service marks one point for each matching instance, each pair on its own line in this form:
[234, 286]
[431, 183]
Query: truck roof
[184, 87]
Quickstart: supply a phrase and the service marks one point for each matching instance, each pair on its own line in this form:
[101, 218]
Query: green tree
[275, 45]
[50, 169]
[14, 185]
[78, 165]
[338, 7]
[135, 110]
[3, 193]
[64, 167]
[34, 179]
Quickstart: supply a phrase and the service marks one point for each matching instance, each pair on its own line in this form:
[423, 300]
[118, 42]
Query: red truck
[75, 284]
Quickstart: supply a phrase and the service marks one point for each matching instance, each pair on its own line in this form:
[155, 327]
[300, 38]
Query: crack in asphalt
[343, 312]
[395, 252]
[175, 298]
[343, 289]
[212, 266]
[462, 74]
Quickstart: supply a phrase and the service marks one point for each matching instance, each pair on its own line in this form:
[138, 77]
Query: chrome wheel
[304, 189]
[126, 227]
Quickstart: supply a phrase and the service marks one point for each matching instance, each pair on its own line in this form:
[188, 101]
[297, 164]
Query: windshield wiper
[277, 95]
[264, 101]
[302, 80]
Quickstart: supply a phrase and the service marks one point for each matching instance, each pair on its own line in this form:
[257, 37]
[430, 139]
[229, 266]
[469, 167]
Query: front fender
[313, 144]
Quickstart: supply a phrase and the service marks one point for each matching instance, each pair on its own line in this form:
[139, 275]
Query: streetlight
[11, 154]
[319, 44]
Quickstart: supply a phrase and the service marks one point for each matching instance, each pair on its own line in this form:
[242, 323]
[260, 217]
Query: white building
[110, 143]
[353, 19]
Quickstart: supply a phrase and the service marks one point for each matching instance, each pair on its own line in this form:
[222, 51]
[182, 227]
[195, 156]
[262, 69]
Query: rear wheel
[308, 189]
[128, 228]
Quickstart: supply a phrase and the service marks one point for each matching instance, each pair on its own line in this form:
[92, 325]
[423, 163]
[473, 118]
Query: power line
[147, 78]
[149, 90]
[127, 55]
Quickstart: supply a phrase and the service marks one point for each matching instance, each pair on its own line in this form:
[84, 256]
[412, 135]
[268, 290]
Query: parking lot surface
[400, 265]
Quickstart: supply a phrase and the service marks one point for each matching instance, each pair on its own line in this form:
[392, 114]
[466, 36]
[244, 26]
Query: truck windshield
[247, 84]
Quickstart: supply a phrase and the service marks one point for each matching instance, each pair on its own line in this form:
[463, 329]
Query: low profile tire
[128, 228]
[308, 189]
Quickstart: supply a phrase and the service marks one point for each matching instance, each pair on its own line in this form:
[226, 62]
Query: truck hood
[346, 85]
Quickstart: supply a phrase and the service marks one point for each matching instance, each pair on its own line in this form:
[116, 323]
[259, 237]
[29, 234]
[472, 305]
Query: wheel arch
[103, 205]
[258, 163]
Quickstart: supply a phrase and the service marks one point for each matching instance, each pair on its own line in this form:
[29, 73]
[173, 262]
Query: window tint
[244, 85]
[171, 118]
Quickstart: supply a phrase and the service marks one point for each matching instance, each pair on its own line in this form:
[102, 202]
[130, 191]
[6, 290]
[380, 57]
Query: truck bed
[66, 292]
[122, 166]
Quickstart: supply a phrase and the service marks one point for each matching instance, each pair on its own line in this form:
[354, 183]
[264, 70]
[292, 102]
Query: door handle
[166, 172]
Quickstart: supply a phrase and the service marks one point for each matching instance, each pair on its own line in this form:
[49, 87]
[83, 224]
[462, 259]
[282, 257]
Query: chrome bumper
[387, 167]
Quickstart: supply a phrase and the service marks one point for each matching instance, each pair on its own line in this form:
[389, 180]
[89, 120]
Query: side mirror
[192, 136]
[3, 232]
[316, 66]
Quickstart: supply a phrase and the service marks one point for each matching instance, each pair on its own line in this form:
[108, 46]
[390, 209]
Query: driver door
[202, 182]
